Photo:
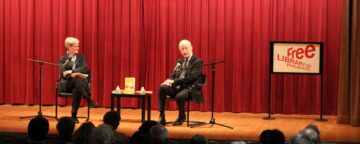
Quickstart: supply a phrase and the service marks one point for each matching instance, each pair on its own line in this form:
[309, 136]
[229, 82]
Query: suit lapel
[77, 61]
[193, 58]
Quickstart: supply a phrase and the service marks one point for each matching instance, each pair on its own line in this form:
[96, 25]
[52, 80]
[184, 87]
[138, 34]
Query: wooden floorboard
[247, 126]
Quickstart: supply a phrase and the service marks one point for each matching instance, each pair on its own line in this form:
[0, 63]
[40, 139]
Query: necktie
[184, 66]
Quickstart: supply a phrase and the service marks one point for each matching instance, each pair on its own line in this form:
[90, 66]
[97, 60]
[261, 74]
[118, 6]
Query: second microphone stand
[40, 112]
[212, 120]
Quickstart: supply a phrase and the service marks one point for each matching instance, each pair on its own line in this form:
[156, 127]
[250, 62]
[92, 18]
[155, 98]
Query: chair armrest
[203, 85]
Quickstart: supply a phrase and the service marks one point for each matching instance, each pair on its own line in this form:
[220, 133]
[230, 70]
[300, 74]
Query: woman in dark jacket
[73, 72]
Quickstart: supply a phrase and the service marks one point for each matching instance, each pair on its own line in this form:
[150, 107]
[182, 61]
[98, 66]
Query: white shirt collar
[189, 57]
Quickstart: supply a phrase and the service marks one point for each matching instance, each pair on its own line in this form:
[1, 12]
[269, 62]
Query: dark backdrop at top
[139, 38]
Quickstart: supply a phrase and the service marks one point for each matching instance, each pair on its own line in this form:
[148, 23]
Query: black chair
[70, 95]
[189, 99]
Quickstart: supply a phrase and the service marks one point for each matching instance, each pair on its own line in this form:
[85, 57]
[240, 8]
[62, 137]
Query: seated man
[72, 65]
[186, 73]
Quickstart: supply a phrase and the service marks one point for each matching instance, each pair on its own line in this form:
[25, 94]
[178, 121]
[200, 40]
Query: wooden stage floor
[247, 126]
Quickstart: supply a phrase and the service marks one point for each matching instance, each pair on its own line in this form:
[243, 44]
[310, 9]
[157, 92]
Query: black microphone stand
[212, 121]
[40, 112]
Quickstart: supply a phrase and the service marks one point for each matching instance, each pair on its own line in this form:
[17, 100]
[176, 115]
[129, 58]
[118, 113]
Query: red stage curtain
[139, 38]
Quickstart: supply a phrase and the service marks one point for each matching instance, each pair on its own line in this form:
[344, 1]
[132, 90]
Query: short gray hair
[102, 134]
[185, 42]
[71, 41]
[312, 134]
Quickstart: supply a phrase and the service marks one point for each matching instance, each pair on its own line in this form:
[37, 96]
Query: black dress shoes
[92, 103]
[75, 119]
[162, 120]
[179, 120]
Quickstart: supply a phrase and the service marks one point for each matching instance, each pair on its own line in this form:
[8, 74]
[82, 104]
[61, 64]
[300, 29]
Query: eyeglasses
[75, 46]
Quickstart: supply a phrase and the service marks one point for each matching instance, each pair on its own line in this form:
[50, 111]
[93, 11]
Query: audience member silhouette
[159, 135]
[299, 139]
[38, 129]
[279, 136]
[267, 137]
[103, 134]
[112, 118]
[83, 133]
[312, 132]
[272, 136]
[65, 128]
[142, 136]
[146, 126]
[198, 139]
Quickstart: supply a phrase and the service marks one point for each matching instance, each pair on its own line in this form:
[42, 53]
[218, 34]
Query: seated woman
[73, 65]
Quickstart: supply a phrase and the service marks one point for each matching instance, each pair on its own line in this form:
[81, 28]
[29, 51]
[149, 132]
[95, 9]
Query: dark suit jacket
[192, 77]
[81, 67]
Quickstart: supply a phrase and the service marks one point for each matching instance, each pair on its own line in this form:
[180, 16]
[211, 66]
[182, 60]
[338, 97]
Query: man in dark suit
[73, 65]
[183, 81]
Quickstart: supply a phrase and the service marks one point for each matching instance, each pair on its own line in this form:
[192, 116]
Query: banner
[296, 57]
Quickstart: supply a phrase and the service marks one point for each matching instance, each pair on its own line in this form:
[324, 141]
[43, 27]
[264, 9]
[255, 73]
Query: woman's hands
[67, 72]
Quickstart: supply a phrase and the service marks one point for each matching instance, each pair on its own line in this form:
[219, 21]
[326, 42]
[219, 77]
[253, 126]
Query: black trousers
[80, 88]
[180, 96]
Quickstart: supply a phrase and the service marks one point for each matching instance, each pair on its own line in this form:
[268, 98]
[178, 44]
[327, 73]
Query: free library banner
[296, 57]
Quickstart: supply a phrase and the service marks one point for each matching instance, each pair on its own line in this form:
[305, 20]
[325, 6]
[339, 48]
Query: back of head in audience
[65, 127]
[159, 134]
[120, 138]
[83, 133]
[279, 136]
[314, 127]
[299, 139]
[146, 126]
[267, 137]
[38, 128]
[272, 136]
[112, 118]
[102, 134]
[198, 139]
[311, 134]
[238, 142]
[140, 138]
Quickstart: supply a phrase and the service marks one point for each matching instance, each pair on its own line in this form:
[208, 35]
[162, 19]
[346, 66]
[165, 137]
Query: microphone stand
[40, 112]
[212, 121]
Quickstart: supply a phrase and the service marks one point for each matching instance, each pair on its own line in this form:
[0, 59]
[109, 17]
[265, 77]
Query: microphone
[177, 67]
[66, 62]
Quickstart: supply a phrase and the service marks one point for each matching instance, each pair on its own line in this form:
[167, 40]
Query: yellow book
[129, 85]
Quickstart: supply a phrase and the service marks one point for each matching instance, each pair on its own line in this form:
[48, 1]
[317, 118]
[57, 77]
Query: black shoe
[92, 103]
[75, 119]
[179, 120]
[162, 119]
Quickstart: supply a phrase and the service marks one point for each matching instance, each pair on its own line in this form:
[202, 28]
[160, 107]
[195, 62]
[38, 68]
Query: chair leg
[56, 106]
[88, 117]
[188, 112]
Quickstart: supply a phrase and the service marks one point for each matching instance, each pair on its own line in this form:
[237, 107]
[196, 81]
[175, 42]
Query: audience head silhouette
[146, 126]
[198, 139]
[159, 134]
[65, 127]
[83, 133]
[299, 139]
[102, 134]
[312, 132]
[112, 118]
[38, 128]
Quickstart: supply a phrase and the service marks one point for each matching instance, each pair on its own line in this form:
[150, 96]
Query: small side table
[144, 96]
